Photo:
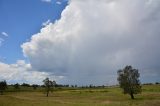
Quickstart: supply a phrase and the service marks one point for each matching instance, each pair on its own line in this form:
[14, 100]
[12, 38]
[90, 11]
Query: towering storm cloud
[94, 38]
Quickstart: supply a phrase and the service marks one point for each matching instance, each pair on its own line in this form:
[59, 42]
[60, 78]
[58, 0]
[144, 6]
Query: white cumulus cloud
[47, 1]
[21, 72]
[4, 34]
[94, 38]
[58, 2]
[46, 23]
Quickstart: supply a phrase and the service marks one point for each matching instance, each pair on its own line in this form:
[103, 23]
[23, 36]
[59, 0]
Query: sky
[20, 19]
[78, 41]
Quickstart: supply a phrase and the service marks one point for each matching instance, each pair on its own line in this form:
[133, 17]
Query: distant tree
[3, 86]
[129, 81]
[48, 85]
[42, 86]
[90, 86]
[75, 86]
[25, 85]
[157, 83]
[66, 85]
[34, 86]
[16, 86]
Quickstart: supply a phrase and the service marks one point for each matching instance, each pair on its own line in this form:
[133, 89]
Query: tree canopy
[3, 86]
[48, 85]
[128, 79]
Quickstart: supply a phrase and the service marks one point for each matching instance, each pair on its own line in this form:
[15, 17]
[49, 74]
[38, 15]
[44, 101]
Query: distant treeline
[58, 85]
[73, 86]
[151, 83]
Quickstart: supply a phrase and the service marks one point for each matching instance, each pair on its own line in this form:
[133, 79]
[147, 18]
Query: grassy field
[83, 97]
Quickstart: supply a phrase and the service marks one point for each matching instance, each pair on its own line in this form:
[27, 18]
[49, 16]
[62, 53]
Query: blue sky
[20, 19]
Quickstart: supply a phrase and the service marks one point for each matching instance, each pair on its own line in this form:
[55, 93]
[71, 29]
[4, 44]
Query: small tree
[34, 86]
[25, 85]
[48, 85]
[3, 86]
[129, 81]
[16, 86]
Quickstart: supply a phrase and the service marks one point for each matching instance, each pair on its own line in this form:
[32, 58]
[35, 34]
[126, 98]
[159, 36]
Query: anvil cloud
[95, 38]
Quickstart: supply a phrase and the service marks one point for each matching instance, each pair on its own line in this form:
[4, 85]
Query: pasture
[109, 96]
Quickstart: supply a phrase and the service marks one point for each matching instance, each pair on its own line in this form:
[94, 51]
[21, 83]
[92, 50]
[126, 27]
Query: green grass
[83, 97]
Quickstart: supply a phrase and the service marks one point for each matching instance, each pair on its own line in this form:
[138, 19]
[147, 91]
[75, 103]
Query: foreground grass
[83, 97]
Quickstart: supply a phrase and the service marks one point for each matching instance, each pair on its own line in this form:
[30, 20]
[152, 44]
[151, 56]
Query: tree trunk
[132, 96]
[47, 90]
[47, 93]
